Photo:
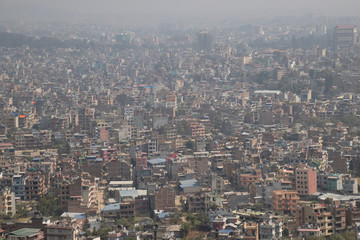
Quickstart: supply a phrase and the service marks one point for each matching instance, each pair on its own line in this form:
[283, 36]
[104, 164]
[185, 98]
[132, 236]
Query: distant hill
[12, 40]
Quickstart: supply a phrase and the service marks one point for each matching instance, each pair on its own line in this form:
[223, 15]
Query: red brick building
[164, 198]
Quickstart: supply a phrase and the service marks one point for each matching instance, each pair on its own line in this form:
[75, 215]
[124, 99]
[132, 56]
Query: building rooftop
[25, 232]
[112, 207]
[157, 161]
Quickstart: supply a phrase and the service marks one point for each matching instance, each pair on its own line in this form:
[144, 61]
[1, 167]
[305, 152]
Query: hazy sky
[182, 8]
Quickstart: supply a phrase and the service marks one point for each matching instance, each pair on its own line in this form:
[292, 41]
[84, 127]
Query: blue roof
[112, 207]
[226, 231]
[163, 215]
[80, 216]
[157, 161]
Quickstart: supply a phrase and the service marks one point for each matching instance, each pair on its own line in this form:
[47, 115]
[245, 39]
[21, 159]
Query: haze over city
[176, 120]
[144, 11]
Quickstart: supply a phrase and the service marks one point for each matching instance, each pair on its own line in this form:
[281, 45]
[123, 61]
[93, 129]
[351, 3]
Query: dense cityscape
[243, 131]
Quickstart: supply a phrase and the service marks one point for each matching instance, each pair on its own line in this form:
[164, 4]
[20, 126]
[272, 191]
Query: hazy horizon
[183, 8]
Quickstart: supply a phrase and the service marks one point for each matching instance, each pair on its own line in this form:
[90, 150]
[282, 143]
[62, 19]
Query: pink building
[107, 153]
[141, 162]
[305, 180]
[104, 134]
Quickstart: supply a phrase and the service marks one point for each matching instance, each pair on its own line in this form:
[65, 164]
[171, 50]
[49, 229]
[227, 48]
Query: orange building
[251, 231]
[247, 179]
[285, 201]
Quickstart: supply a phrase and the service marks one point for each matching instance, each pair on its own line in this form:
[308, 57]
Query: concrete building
[35, 186]
[334, 183]
[270, 230]
[263, 191]
[59, 232]
[306, 232]
[350, 186]
[18, 186]
[196, 203]
[119, 210]
[205, 41]
[329, 220]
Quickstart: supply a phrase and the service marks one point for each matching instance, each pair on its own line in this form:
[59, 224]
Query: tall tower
[345, 36]
[205, 41]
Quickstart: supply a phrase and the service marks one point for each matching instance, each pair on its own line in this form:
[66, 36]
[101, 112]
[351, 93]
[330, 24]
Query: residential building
[7, 202]
[285, 202]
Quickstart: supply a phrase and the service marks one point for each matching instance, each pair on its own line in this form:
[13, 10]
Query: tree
[314, 122]
[185, 228]
[213, 206]
[126, 222]
[349, 235]
[258, 206]
[102, 232]
[336, 237]
[351, 121]
[315, 238]
[203, 222]
[199, 221]
[190, 144]
[48, 206]
[328, 201]
[285, 233]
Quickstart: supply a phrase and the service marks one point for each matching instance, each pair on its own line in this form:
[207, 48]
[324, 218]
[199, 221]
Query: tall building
[7, 202]
[19, 186]
[345, 36]
[205, 41]
[35, 186]
[306, 181]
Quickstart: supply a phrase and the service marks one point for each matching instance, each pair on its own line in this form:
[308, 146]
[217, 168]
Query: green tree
[128, 223]
[185, 228]
[258, 206]
[351, 121]
[315, 238]
[48, 206]
[285, 233]
[336, 237]
[314, 122]
[328, 201]
[349, 235]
